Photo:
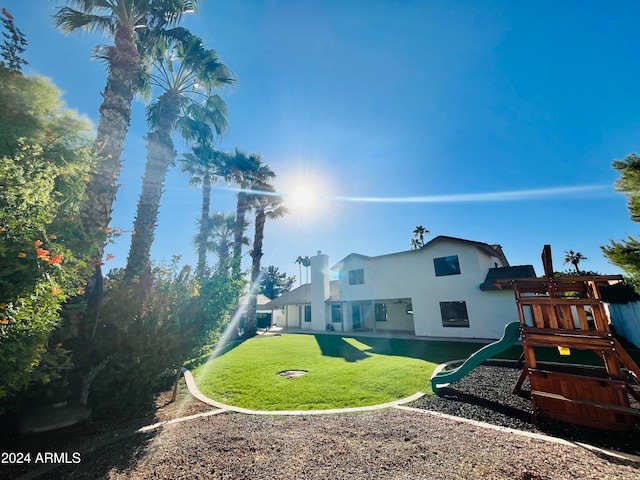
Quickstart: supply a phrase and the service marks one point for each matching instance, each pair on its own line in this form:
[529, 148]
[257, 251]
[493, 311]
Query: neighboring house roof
[493, 250]
[506, 273]
[302, 295]
[261, 299]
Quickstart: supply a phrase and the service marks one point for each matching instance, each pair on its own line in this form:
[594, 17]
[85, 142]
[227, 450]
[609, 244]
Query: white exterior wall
[412, 275]
[292, 316]
[319, 292]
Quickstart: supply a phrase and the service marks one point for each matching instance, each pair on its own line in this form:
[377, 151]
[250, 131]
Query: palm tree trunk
[160, 154]
[205, 226]
[115, 117]
[238, 233]
[113, 125]
[251, 324]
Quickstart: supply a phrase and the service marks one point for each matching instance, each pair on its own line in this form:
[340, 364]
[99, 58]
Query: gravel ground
[389, 444]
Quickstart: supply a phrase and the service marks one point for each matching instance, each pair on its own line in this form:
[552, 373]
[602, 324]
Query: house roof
[493, 250]
[302, 295]
[506, 273]
[261, 299]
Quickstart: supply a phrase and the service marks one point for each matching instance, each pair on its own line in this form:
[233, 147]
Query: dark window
[307, 313]
[356, 277]
[454, 314]
[336, 314]
[380, 311]
[446, 266]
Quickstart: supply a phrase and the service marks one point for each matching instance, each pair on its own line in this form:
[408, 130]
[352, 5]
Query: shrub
[137, 347]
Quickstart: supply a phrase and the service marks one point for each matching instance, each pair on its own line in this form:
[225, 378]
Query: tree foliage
[273, 283]
[45, 162]
[626, 253]
[14, 44]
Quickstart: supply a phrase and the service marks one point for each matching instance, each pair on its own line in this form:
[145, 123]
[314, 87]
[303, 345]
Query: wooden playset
[567, 313]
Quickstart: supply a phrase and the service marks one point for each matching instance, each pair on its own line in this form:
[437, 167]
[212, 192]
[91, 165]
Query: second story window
[356, 277]
[446, 266]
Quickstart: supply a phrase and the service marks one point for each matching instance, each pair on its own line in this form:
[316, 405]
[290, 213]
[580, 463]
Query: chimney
[319, 291]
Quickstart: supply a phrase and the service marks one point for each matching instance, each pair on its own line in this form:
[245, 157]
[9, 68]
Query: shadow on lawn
[430, 351]
[336, 346]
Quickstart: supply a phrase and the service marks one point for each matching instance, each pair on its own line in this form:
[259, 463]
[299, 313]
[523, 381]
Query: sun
[302, 197]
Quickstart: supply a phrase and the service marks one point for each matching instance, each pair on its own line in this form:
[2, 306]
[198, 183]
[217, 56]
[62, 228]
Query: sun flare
[302, 196]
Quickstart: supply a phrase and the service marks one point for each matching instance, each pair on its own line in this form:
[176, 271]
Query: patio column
[373, 316]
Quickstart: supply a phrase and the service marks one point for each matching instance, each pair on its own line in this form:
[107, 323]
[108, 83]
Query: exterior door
[356, 316]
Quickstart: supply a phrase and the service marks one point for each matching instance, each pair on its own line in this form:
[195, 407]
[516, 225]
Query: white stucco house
[445, 289]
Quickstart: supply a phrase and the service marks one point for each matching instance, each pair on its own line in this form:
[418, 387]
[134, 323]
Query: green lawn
[343, 371]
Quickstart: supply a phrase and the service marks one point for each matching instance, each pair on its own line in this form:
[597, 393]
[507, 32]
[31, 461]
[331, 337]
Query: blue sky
[439, 102]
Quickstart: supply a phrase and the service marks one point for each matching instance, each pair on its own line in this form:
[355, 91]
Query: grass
[342, 371]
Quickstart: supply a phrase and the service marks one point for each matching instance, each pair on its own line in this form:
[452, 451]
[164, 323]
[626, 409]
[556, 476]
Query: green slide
[510, 336]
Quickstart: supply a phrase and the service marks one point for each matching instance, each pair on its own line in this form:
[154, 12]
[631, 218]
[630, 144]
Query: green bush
[42, 263]
[137, 347]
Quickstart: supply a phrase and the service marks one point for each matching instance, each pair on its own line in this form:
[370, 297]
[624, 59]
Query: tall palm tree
[306, 263]
[186, 72]
[248, 172]
[124, 21]
[299, 262]
[573, 258]
[266, 206]
[205, 165]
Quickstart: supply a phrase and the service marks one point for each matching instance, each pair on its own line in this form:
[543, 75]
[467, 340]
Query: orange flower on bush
[53, 236]
[22, 255]
[110, 257]
[2, 306]
[42, 254]
[56, 260]
[55, 290]
[37, 243]
[4, 321]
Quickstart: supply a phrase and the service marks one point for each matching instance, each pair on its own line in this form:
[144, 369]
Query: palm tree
[219, 238]
[306, 263]
[124, 21]
[266, 206]
[418, 237]
[299, 262]
[248, 171]
[184, 72]
[573, 258]
[205, 165]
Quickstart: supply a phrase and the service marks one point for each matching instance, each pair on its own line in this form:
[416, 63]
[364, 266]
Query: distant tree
[303, 262]
[574, 258]
[273, 283]
[418, 237]
[13, 46]
[626, 253]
